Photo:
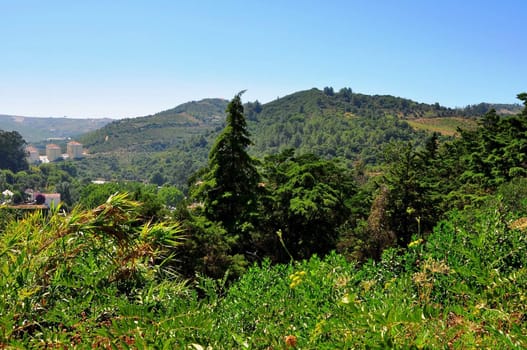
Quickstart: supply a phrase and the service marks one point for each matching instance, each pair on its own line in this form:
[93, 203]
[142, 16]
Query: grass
[446, 126]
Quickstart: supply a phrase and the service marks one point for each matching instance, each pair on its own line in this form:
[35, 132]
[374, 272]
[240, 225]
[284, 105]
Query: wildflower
[520, 224]
[389, 283]
[345, 299]
[367, 285]
[296, 278]
[415, 243]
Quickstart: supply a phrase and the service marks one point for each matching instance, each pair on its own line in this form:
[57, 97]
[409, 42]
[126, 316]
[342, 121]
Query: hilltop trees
[13, 154]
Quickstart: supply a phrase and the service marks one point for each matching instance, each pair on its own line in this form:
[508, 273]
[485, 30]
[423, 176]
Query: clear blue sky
[126, 58]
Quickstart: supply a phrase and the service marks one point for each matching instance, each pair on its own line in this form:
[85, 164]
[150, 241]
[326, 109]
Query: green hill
[343, 124]
[355, 127]
[160, 131]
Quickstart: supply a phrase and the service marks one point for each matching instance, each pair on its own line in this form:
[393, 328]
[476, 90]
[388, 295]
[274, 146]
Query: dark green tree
[13, 153]
[307, 199]
[410, 179]
[523, 97]
[157, 178]
[494, 153]
[230, 184]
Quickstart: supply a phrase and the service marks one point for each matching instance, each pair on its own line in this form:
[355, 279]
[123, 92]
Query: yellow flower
[296, 278]
[389, 283]
[415, 243]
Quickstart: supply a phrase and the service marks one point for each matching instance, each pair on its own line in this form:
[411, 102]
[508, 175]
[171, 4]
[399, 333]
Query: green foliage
[95, 279]
[462, 287]
[106, 275]
[152, 205]
[44, 178]
[207, 249]
[159, 132]
[411, 180]
[13, 155]
[470, 167]
[347, 125]
[175, 143]
[67, 279]
[170, 196]
[307, 199]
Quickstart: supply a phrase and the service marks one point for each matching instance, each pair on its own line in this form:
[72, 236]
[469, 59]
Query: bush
[66, 280]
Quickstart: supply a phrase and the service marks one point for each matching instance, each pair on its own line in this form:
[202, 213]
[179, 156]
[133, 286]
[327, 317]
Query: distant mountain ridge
[35, 129]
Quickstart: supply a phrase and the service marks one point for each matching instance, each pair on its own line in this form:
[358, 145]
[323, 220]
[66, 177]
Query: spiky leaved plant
[61, 272]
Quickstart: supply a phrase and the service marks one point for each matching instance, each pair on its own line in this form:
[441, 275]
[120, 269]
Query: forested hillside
[344, 124]
[161, 131]
[173, 144]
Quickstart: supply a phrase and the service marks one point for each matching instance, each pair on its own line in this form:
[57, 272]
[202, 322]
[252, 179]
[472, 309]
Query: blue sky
[131, 58]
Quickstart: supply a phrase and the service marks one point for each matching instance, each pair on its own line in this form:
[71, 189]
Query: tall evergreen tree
[229, 189]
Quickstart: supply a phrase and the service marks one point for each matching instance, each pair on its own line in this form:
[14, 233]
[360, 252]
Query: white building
[74, 150]
[53, 152]
[7, 193]
[32, 155]
[52, 199]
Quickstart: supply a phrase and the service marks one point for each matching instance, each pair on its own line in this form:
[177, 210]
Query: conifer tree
[230, 185]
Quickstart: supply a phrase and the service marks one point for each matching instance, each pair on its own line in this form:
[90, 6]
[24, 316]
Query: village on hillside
[33, 199]
[74, 150]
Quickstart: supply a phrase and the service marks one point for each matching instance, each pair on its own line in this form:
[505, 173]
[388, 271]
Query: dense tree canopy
[13, 153]
[307, 199]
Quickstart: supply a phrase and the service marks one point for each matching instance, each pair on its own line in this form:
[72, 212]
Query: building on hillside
[33, 155]
[51, 199]
[74, 150]
[53, 152]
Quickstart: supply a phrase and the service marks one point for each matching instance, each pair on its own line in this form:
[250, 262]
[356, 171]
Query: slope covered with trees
[158, 132]
[172, 145]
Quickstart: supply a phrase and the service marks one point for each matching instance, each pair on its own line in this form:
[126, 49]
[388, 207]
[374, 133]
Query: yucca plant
[70, 274]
